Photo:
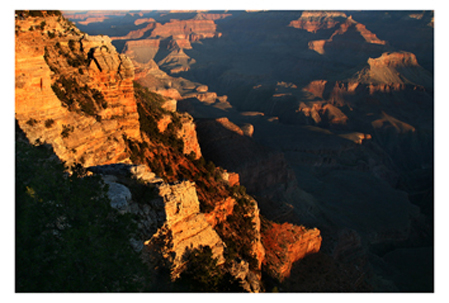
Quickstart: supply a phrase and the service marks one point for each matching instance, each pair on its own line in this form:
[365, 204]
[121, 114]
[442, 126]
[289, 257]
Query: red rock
[285, 244]
[396, 59]
[313, 21]
[187, 29]
[222, 210]
[143, 20]
[319, 45]
[316, 87]
[91, 141]
[233, 179]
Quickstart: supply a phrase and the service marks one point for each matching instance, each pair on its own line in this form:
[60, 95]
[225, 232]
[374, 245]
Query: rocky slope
[343, 37]
[76, 93]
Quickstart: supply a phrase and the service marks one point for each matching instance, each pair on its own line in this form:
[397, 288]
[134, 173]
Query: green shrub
[49, 123]
[72, 44]
[35, 14]
[54, 13]
[210, 166]
[88, 100]
[31, 122]
[202, 273]
[66, 130]
[68, 237]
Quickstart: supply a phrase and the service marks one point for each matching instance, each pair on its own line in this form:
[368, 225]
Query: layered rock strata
[312, 21]
[44, 117]
[285, 244]
[188, 227]
[342, 37]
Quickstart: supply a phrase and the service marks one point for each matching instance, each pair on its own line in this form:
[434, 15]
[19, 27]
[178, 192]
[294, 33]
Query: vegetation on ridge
[68, 237]
[167, 160]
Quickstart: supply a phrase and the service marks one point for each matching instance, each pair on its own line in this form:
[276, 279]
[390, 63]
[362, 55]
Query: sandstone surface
[187, 226]
[285, 244]
[87, 139]
[189, 136]
[312, 21]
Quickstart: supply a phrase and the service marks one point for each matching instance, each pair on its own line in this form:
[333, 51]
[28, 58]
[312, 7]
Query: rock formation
[348, 30]
[188, 228]
[86, 138]
[312, 21]
[396, 69]
[193, 30]
[285, 244]
[144, 20]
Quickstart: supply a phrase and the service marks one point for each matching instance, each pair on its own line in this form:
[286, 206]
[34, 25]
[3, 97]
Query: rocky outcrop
[285, 244]
[341, 38]
[397, 59]
[43, 63]
[312, 21]
[222, 210]
[320, 113]
[360, 28]
[396, 69]
[188, 135]
[193, 30]
[231, 178]
[185, 225]
[316, 87]
[172, 215]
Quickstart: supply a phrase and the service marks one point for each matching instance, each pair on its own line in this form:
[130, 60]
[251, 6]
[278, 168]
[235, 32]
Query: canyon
[325, 118]
[76, 95]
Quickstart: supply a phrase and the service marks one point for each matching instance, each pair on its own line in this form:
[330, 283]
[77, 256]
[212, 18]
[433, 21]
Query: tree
[68, 237]
[203, 274]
